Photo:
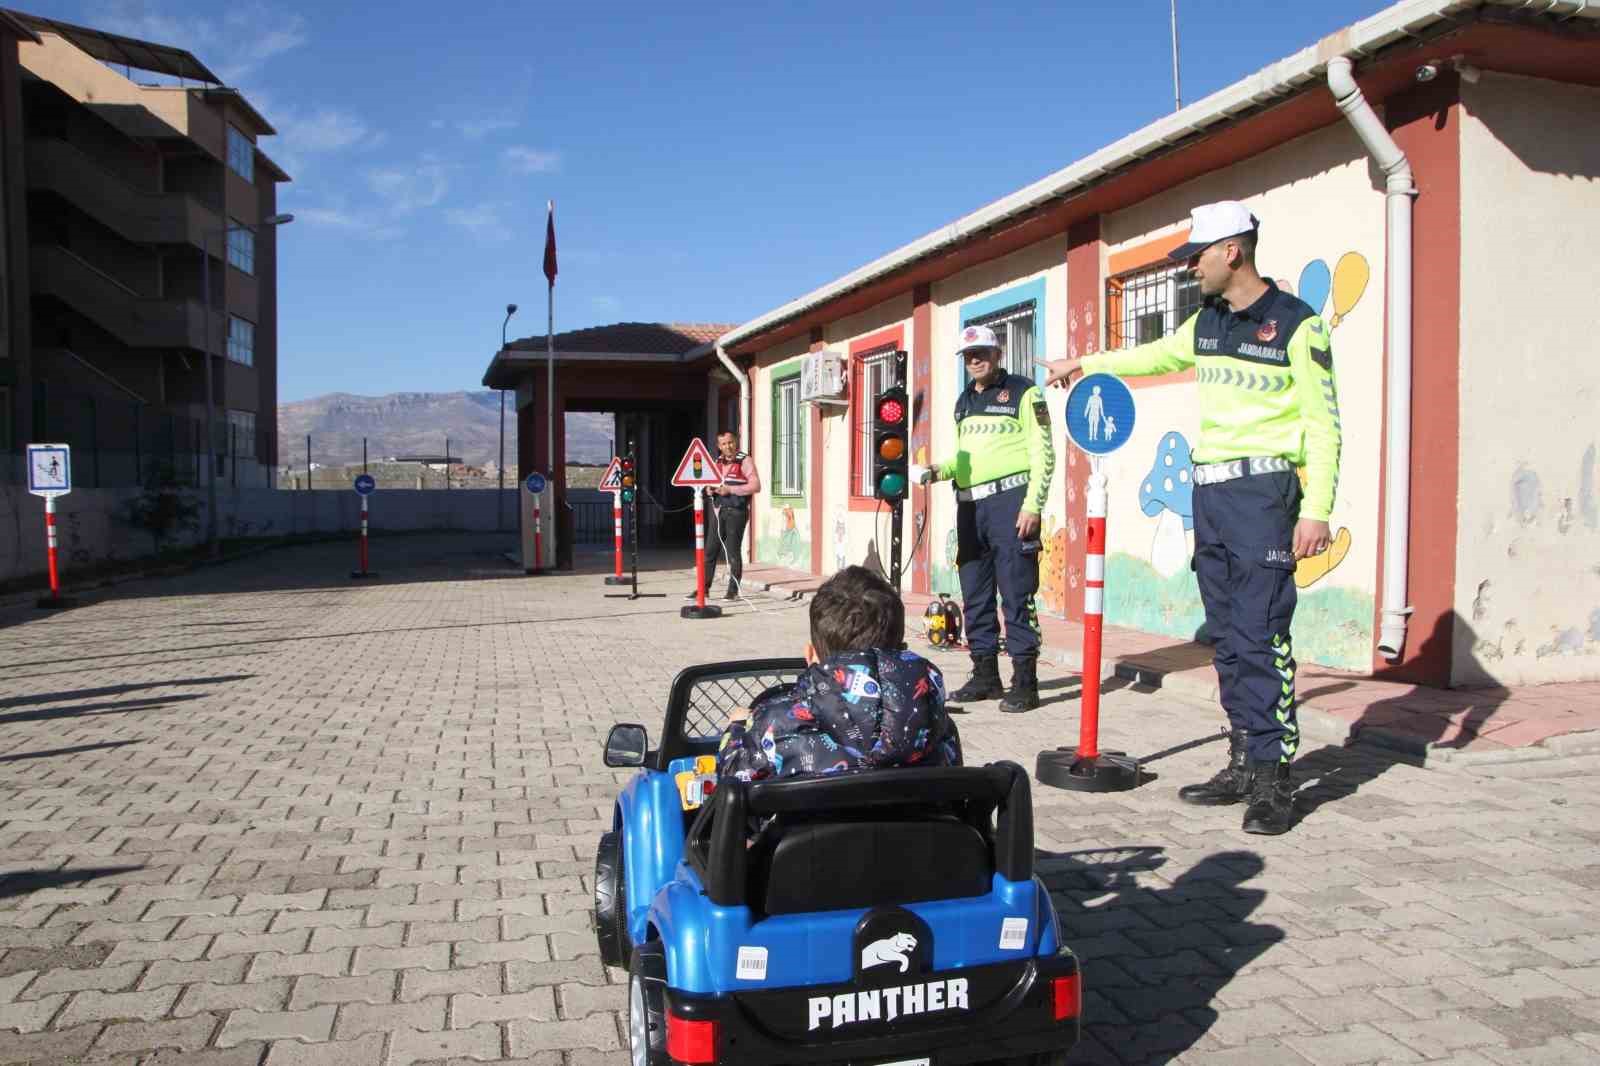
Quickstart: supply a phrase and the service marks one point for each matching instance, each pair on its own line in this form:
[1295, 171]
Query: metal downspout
[1399, 190]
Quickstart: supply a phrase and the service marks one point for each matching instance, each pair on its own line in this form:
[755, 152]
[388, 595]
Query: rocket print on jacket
[856, 710]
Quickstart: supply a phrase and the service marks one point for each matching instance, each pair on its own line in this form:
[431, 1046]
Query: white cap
[977, 337]
[1210, 223]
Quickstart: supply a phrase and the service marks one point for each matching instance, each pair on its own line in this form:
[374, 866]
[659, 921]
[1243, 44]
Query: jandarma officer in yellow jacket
[1002, 469]
[1264, 368]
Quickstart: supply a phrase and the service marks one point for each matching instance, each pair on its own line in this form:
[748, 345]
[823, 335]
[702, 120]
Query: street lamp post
[500, 502]
[213, 548]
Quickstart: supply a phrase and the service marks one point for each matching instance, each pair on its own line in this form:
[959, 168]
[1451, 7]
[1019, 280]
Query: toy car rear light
[1067, 997]
[696, 1041]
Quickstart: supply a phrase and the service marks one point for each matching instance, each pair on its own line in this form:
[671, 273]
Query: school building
[1429, 180]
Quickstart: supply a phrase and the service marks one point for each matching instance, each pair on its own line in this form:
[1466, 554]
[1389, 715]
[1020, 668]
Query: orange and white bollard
[616, 538]
[1088, 769]
[700, 610]
[50, 546]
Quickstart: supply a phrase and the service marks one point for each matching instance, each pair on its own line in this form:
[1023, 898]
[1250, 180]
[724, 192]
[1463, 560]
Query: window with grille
[241, 155]
[242, 248]
[242, 434]
[1146, 305]
[241, 340]
[788, 438]
[874, 374]
[1013, 328]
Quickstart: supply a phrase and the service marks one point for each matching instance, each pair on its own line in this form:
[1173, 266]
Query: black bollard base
[613, 579]
[55, 603]
[362, 575]
[1110, 771]
[708, 611]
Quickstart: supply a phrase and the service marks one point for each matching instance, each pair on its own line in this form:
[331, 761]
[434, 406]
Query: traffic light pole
[629, 495]
[897, 508]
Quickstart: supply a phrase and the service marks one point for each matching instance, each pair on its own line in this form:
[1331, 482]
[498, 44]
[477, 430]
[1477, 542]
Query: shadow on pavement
[1400, 731]
[96, 710]
[21, 882]
[1154, 957]
[51, 753]
[115, 690]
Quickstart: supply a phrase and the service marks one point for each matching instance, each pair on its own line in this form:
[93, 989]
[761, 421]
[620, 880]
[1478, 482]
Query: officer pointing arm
[1268, 405]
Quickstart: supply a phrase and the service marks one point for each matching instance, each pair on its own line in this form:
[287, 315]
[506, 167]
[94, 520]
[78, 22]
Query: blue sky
[708, 161]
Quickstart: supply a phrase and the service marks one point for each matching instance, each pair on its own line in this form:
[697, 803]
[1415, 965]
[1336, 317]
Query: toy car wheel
[647, 1007]
[610, 901]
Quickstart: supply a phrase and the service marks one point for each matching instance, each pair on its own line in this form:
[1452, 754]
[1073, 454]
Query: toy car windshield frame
[702, 697]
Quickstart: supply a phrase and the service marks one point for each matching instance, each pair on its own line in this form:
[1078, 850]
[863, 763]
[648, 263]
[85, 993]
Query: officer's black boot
[1271, 809]
[1232, 783]
[984, 684]
[1024, 692]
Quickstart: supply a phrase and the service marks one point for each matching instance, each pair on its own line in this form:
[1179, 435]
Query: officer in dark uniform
[1264, 369]
[731, 500]
[1002, 469]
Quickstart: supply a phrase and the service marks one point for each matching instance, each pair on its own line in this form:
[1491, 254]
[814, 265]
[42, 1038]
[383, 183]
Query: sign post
[364, 486]
[1100, 413]
[535, 484]
[696, 470]
[50, 475]
[611, 481]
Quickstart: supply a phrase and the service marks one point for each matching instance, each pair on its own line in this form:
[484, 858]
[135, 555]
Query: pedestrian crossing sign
[49, 469]
[611, 480]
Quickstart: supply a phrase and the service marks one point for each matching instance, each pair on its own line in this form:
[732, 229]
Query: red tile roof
[631, 338]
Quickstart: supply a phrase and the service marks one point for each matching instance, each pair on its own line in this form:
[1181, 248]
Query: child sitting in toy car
[863, 703]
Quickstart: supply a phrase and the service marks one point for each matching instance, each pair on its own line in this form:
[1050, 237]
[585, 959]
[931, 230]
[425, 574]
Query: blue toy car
[888, 918]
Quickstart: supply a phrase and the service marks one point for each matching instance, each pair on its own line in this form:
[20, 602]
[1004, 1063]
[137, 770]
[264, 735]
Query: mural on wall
[783, 543]
[1158, 593]
[841, 540]
[945, 576]
[1053, 567]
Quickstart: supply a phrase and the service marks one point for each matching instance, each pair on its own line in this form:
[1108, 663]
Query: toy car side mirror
[626, 745]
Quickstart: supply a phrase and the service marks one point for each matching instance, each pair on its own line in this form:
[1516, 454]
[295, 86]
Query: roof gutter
[1285, 78]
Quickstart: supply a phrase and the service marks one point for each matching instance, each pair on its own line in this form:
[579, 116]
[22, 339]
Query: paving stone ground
[261, 814]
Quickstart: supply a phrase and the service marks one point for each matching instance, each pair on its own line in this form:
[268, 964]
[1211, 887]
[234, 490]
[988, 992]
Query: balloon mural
[1347, 282]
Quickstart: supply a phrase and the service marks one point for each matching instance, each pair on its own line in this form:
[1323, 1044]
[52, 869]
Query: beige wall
[1528, 552]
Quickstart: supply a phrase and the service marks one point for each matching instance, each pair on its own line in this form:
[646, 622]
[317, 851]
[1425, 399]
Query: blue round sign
[365, 484]
[535, 483]
[1100, 414]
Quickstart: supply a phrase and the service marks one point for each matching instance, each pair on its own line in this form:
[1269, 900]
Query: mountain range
[419, 423]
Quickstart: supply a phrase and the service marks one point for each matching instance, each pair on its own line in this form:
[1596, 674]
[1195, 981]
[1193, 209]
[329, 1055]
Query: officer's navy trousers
[1244, 563]
[989, 555]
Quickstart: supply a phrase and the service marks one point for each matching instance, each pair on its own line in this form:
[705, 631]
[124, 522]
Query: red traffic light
[891, 409]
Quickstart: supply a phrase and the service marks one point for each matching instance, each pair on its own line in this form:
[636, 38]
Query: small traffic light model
[630, 480]
[891, 448]
[630, 505]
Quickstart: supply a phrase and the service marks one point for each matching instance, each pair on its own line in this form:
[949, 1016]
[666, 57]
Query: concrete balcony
[138, 321]
[56, 166]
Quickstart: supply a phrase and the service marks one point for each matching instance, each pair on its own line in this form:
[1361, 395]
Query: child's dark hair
[856, 610]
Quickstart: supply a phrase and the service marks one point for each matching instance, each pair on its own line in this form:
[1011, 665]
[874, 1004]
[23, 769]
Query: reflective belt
[989, 488]
[1216, 473]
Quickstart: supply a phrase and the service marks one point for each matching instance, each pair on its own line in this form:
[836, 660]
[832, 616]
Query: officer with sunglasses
[1002, 469]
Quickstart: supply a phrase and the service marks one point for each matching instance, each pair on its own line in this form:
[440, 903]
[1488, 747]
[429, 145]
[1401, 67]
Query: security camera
[1427, 72]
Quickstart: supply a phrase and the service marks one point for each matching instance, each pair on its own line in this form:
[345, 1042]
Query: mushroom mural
[1167, 495]
[1314, 568]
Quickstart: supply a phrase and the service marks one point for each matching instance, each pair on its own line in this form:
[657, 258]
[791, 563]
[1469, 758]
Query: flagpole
[550, 347]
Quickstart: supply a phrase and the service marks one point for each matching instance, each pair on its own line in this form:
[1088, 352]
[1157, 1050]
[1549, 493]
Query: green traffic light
[892, 486]
[627, 495]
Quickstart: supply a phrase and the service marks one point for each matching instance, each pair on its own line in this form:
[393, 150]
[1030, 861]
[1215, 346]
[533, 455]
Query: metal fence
[592, 522]
[119, 442]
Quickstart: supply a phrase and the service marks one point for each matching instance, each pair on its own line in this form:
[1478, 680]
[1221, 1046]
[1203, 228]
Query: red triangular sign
[697, 467]
[611, 480]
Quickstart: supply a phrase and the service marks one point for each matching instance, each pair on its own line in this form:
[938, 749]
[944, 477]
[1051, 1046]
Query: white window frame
[242, 431]
[1014, 329]
[1151, 303]
[791, 438]
[876, 375]
[242, 247]
[241, 341]
[241, 154]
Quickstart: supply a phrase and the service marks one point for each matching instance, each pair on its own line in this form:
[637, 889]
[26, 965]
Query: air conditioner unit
[823, 378]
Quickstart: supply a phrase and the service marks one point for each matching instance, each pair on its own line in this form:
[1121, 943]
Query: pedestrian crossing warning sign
[611, 480]
[697, 468]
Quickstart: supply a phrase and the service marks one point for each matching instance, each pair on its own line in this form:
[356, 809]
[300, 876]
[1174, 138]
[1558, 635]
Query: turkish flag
[550, 244]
